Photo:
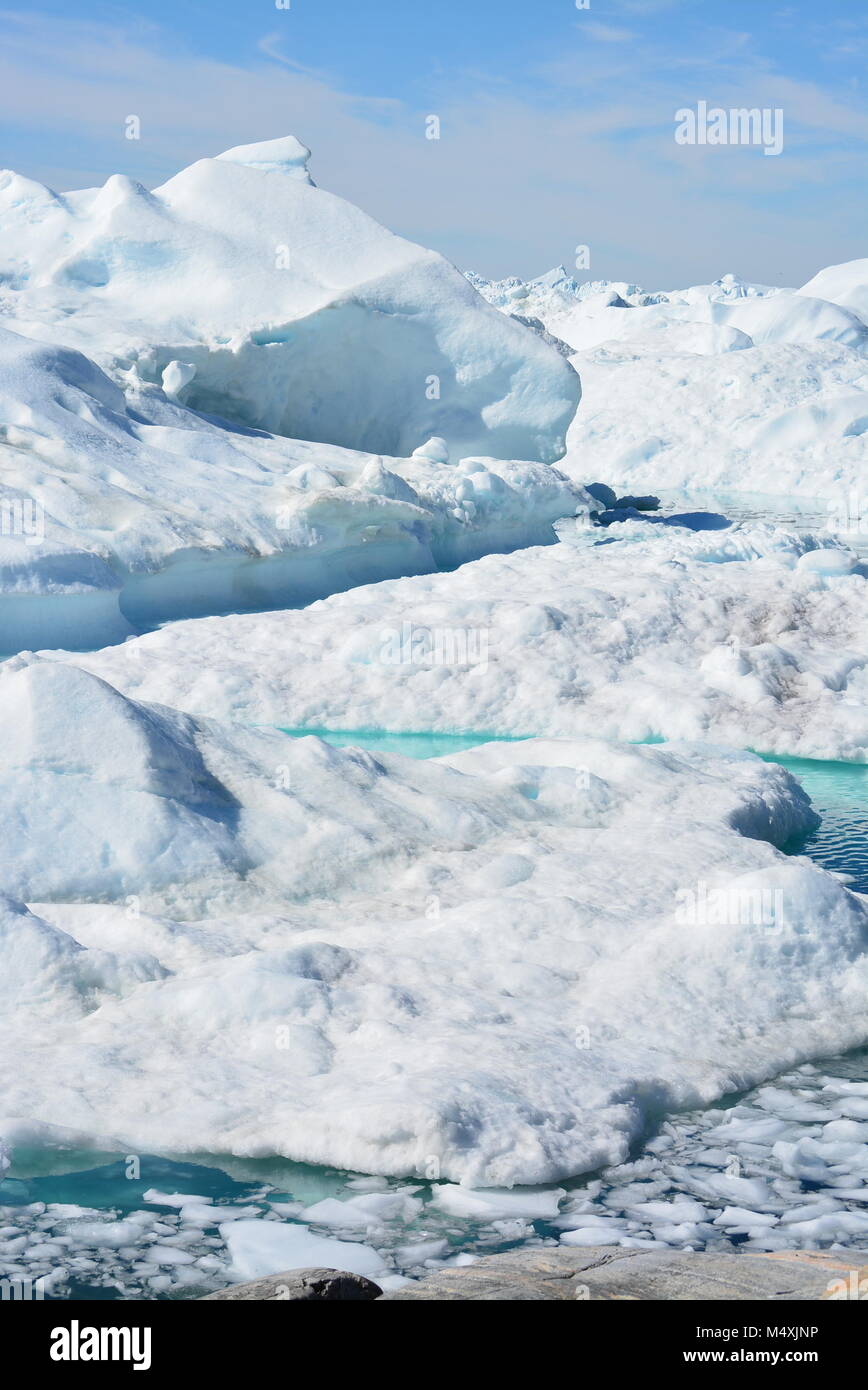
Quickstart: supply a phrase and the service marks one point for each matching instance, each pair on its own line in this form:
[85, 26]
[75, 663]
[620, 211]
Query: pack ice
[238, 392]
[731, 385]
[474, 967]
[750, 635]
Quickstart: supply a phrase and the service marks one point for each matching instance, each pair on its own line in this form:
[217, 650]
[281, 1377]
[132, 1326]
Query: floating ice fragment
[435, 449]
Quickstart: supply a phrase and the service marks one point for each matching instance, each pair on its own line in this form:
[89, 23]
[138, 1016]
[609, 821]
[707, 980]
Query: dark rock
[301, 1284]
[601, 492]
[640, 504]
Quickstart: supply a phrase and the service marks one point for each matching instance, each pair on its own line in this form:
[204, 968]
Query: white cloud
[579, 152]
[605, 33]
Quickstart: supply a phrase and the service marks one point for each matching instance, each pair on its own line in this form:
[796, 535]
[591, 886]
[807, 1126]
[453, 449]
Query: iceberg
[477, 968]
[121, 507]
[295, 312]
[845, 284]
[731, 385]
[238, 393]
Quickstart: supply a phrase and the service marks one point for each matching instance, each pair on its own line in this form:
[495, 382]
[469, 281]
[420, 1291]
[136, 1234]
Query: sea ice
[493, 1205]
[360, 994]
[258, 1248]
[730, 385]
[658, 631]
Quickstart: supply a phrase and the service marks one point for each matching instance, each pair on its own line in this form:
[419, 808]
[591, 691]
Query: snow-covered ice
[735, 385]
[784, 1167]
[121, 507]
[299, 313]
[476, 968]
[467, 981]
[210, 395]
[748, 635]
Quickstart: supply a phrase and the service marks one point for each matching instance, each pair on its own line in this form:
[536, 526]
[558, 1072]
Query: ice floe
[466, 980]
[716, 1179]
[119, 509]
[749, 635]
[241, 942]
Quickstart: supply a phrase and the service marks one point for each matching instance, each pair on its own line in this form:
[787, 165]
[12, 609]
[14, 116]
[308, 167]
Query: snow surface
[740, 386]
[845, 284]
[471, 968]
[238, 392]
[749, 635]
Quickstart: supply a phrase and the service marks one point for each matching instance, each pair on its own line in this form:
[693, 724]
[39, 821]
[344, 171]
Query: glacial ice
[246, 943]
[136, 510]
[710, 1179]
[845, 284]
[238, 392]
[300, 314]
[752, 635]
[257, 1248]
[746, 387]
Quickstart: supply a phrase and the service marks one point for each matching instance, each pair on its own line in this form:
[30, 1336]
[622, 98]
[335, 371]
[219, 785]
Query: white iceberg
[122, 508]
[730, 386]
[259, 1248]
[299, 313]
[845, 284]
[476, 968]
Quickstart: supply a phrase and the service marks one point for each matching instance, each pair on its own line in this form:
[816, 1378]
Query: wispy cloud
[605, 33]
[574, 153]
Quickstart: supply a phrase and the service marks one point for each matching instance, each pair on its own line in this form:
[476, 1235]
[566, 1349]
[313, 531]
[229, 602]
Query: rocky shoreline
[591, 1273]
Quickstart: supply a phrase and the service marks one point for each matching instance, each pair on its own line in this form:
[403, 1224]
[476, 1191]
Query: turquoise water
[839, 792]
[421, 745]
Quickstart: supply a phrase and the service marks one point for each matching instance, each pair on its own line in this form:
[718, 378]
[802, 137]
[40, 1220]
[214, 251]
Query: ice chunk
[300, 314]
[495, 1205]
[436, 449]
[845, 284]
[175, 514]
[259, 1248]
[370, 1208]
[769, 383]
[286, 155]
[593, 1235]
[176, 376]
[739, 1219]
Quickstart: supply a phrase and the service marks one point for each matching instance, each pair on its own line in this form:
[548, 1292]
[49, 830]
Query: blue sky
[556, 122]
